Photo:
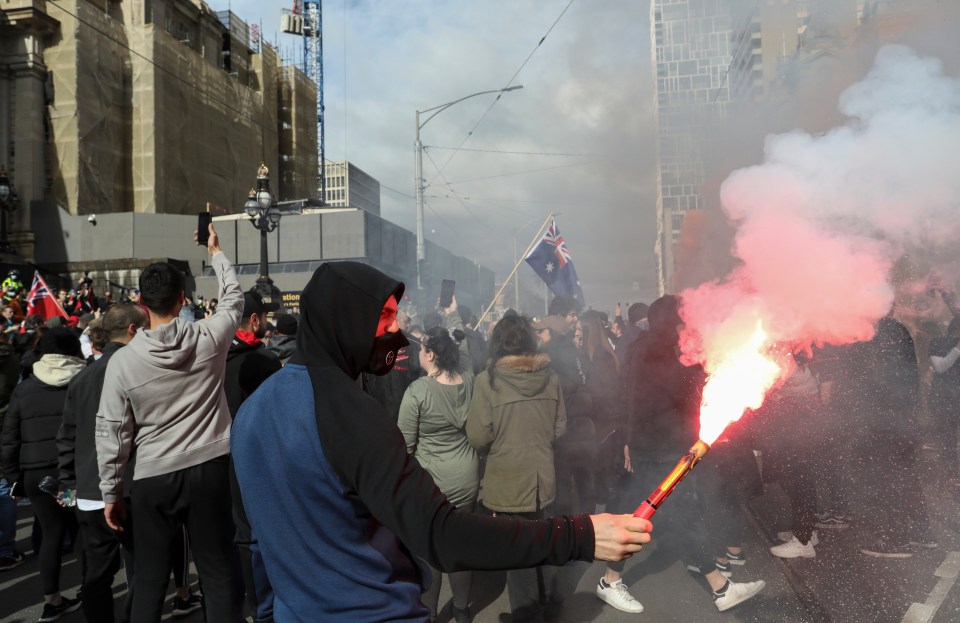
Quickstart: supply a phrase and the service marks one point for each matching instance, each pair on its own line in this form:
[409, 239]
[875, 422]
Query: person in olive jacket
[28, 450]
[516, 415]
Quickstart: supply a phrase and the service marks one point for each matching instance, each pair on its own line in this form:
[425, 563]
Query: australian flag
[551, 260]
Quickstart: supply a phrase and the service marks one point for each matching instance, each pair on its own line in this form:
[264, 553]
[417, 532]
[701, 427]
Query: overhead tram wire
[169, 72]
[521, 153]
[490, 177]
[509, 82]
[469, 211]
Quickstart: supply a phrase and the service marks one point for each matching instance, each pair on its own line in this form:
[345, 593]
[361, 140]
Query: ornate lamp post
[264, 215]
[8, 203]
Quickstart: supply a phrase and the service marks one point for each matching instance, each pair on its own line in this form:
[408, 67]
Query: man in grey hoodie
[163, 399]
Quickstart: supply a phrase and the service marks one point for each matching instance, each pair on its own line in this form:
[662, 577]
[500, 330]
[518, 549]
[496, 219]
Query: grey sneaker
[618, 596]
[883, 549]
[794, 549]
[787, 535]
[735, 593]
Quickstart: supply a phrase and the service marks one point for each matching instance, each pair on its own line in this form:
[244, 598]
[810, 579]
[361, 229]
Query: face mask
[384, 353]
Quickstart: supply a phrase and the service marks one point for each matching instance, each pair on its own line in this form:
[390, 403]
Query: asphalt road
[840, 585]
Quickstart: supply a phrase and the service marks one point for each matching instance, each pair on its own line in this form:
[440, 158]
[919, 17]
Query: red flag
[41, 301]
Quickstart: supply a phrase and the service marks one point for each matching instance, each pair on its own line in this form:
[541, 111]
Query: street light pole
[8, 203]
[264, 215]
[418, 170]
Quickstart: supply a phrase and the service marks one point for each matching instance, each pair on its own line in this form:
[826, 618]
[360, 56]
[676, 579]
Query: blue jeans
[8, 520]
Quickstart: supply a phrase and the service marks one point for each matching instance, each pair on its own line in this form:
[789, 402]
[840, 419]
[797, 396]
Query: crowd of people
[338, 464]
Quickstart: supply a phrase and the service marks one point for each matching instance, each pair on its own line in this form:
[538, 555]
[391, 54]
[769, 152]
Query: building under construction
[145, 107]
[119, 121]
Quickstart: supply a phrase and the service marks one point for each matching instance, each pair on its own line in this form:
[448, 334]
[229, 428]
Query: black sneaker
[183, 607]
[12, 561]
[882, 549]
[53, 613]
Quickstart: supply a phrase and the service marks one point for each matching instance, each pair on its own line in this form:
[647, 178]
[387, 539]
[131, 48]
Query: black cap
[287, 325]
[253, 303]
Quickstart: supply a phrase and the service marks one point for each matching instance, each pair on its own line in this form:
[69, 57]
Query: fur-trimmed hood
[526, 374]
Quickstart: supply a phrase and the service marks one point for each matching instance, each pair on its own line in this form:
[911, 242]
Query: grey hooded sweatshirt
[163, 394]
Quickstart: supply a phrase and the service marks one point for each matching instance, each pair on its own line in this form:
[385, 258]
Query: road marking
[948, 572]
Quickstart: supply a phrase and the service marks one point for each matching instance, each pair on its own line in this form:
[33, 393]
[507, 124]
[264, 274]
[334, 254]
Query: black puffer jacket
[248, 365]
[29, 438]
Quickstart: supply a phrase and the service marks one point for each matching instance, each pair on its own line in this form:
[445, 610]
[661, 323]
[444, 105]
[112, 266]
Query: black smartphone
[446, 293]
[17, 490]
[203, 228]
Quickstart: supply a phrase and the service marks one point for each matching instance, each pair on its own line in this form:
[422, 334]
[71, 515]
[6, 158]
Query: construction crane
[306, 20]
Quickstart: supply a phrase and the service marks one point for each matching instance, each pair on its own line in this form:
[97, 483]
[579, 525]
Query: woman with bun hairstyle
[433, 414]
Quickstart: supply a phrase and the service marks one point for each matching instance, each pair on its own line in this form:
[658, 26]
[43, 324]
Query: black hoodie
[662, 395]
[366, 451]
[248, 365]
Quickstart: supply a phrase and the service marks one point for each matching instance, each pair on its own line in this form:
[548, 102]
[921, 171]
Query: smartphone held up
[446, 293]
[203, 228]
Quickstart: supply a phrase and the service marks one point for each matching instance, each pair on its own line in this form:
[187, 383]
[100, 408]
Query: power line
[490, 177]
[522, 153]
[469, 211]
[502, 200]
[382, 185]
[509, 82]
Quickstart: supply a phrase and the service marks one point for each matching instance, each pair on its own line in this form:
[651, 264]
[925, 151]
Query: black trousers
[259, 591]
[54, 521]
[199, 498]
[103, 551]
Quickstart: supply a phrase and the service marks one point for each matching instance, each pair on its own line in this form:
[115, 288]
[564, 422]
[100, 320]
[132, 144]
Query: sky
[587, 94]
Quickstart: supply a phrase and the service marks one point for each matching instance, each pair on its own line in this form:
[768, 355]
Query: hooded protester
[389, 388]
[28, 450]
[333, 494]
[662, 414]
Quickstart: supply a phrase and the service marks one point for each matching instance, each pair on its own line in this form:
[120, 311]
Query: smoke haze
[822, 221]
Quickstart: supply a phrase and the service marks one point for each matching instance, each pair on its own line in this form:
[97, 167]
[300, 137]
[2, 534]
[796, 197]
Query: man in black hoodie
[78, 469]
[249, 361]
[332, 494]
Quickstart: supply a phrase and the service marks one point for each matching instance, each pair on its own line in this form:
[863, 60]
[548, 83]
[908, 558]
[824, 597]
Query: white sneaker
[794, 549]
[737, 593]
[787, 535]
[618, 596]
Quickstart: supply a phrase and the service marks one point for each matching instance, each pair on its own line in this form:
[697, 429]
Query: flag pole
[513, 272]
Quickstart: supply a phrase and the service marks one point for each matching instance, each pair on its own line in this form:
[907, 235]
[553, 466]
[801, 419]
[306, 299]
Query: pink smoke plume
[820, 222]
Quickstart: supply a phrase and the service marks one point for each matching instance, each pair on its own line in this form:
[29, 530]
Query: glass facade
[692, 52]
